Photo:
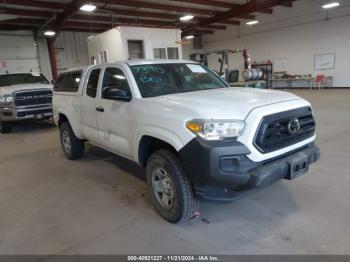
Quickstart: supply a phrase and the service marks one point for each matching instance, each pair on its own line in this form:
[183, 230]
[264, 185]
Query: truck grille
[284, 129]
[33, 97]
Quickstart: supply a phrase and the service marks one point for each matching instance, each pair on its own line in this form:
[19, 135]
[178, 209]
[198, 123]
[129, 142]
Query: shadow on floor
[270, 205]
[96, 153]
[32, 126]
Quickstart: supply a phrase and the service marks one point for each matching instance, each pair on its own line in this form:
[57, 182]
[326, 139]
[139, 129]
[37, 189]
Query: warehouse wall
[71, 50]
[294, 35]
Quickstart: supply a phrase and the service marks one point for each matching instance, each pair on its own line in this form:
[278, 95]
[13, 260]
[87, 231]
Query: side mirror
[114, 93]
[53, 82]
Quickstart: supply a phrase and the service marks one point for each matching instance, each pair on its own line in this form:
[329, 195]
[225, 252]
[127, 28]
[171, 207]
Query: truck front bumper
[221, 171]
[12, 114]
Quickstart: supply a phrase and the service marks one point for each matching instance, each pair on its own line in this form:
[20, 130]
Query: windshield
[163, 79]
[16, 79]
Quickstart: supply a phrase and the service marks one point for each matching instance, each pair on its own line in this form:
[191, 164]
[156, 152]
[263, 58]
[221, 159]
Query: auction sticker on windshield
[196, 68]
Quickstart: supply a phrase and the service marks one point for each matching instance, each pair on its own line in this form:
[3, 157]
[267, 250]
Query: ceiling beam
[22, 12]
[140, 13]
[163, 7]
[247, 17]
[140, 22]
[70, 9]
[24, 21]
[250, 7]
[84, 30]
[17, 27]
[41, 4]
[218, 4]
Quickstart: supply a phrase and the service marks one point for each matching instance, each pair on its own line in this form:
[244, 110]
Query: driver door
[113, 119]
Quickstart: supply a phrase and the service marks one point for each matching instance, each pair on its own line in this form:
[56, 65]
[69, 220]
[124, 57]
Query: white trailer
[124, 43]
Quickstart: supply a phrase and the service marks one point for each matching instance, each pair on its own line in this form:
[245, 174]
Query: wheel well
[61, 119]
[148, 145]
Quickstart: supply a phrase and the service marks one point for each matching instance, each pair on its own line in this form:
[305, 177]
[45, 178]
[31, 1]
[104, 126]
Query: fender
[163, 134]
[73, 124]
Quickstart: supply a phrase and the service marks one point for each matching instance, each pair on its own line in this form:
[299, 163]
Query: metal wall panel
[71, 50]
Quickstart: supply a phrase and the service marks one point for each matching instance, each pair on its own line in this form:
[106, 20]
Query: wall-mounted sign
[325, 61]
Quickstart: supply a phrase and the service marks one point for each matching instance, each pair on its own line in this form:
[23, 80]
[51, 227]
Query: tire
[72, 146]
[5, 127]
[183, 205]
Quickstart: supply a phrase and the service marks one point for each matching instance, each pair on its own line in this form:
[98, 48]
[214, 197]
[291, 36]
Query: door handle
[100, 109]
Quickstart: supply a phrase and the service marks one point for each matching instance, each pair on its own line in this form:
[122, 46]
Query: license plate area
[298, 167]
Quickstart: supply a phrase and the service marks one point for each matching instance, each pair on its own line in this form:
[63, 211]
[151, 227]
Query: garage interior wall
[18, 52]
[295, 35]
[28, 54]
[71, 50]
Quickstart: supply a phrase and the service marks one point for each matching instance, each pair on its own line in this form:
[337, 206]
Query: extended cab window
[91, 89]
[114, 77]
[68, 82]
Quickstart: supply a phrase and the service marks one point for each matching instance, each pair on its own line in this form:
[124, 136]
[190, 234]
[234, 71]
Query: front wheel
[169, 187]
[5, 127]
[72, 146]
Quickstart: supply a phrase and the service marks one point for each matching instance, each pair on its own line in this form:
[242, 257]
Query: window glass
[92, 84]
[162, 79]
[173, 53]
[159, 53]
[114, 77]
[68, 82]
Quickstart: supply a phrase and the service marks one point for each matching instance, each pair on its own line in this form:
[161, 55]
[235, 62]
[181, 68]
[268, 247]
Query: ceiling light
[49, 33]
[331, 5]
[254, 22]
[88, 8]
[189, 37]
[186, 17]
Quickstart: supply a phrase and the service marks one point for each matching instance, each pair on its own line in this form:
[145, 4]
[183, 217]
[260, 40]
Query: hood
[226, 103]
[10, 89]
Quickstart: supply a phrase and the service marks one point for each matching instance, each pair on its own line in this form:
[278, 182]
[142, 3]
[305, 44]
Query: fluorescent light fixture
[189, 37]
[49, 33]
[254, 22]
[88, 8]
[330, 5]
[186, 17]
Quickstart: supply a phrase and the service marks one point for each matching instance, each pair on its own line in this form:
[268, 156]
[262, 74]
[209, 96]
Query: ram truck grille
[36, 97]
[284, 129]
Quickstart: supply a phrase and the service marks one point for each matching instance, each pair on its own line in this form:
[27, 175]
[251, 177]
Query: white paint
[115, 42]
[295, 34]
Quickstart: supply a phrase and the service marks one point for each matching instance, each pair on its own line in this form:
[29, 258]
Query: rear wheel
[5, 127]
[72, 146]
[169, 187]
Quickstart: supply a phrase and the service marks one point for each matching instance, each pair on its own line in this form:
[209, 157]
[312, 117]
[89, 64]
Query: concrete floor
[99, 205]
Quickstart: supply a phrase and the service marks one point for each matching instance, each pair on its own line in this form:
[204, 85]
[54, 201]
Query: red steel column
[52, 56]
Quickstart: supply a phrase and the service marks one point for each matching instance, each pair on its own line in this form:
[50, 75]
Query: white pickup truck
[198, 137]
[23, 96]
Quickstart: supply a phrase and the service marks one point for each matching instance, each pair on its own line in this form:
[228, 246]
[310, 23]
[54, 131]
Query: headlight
[216, 129]
[6, 99]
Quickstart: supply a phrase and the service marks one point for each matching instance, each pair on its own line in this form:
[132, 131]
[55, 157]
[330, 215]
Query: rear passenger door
[88, 104]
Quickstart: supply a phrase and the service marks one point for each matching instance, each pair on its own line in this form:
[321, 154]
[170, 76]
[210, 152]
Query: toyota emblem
[293, 126]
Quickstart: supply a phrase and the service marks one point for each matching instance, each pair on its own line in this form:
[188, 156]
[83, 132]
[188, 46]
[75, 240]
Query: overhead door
[18, 54]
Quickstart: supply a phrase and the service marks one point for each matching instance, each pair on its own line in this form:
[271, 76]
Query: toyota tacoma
[197, 137]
